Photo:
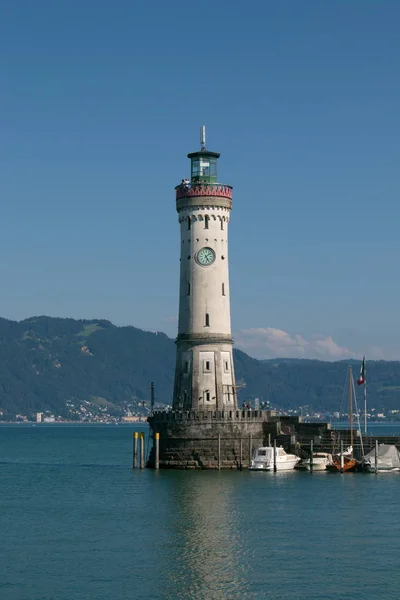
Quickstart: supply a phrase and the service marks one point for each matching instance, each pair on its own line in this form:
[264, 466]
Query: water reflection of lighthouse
[207, 545]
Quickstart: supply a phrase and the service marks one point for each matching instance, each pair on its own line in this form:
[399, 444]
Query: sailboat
[344, 461]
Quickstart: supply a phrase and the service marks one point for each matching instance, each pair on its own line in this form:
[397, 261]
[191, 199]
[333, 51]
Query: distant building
[50, 419]
[39, 417]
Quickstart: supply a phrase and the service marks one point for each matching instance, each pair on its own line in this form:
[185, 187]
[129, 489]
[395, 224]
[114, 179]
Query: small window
[206, 220]
[226, 366]
[222, 224]
[189, 222]
[207, 365]
[207, 395]
[223, 289]
[207, 320]
[188, 289]
[186, 367]
[184, 397]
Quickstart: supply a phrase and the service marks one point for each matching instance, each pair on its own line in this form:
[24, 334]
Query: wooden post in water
[219, 451]
[135, 444]
[250, 448]
[241, 455]
[376, 457]
[157, 450]
[341, 457]
[142, 450]
[311, 456]
[274, 456]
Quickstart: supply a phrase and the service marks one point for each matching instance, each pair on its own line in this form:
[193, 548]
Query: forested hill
[46, 362]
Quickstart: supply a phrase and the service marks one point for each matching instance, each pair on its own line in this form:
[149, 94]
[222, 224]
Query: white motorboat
[263, 460]
[320, 461]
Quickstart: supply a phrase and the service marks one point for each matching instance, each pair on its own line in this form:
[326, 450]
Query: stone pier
[208, 439]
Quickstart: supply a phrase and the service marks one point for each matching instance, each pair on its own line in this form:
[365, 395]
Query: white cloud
[269, 342]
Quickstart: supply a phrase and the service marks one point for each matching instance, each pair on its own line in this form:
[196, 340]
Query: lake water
[77, 523]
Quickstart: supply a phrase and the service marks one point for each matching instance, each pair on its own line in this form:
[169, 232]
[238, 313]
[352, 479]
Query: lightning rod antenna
[203, 137]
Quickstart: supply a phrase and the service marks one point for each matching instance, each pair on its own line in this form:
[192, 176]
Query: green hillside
[46, 362]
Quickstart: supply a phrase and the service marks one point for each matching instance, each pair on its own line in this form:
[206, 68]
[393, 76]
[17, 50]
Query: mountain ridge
[47, 363]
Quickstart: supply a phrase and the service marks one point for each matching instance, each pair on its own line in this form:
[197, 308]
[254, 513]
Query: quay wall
[207, 439]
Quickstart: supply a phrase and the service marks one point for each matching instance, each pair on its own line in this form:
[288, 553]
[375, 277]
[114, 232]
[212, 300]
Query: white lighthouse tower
[204, 373]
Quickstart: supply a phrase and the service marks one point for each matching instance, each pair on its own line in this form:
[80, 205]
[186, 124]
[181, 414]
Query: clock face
[205, 256]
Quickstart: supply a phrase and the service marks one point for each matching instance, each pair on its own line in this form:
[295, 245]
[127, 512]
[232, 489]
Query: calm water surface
[77, 523]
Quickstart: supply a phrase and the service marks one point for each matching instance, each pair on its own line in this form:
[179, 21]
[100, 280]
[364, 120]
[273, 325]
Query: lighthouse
[204, 371]
[205, 428]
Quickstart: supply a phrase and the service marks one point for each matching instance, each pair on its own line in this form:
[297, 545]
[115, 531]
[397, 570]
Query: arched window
[206, 220]
[207, 320]
[189, 222]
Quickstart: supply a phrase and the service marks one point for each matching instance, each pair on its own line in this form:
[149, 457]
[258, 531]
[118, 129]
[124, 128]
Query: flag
[361, 379]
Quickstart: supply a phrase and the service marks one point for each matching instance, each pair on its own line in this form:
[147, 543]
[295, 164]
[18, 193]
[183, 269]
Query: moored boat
[320, 460]
[263, 459]
[343, 461]
[386, 456]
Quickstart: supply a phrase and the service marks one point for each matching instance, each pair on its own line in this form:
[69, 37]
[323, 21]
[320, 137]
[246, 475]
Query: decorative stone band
[203, 202]
[224, 415]
[204, 338]
[210, 189]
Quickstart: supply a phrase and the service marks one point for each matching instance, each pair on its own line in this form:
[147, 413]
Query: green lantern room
[203, 167]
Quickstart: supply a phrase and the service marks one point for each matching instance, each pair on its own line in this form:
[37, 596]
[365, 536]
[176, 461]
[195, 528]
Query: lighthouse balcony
[194, 189]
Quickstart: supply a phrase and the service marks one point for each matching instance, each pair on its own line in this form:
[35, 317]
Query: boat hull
[287, 465]
[350, 466]
[318, 465]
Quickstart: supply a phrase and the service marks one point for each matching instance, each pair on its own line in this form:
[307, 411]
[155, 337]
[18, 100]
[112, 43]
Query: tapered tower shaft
[204, 373]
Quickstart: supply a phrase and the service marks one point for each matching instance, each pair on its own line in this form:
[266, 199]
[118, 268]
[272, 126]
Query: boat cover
[388, 457]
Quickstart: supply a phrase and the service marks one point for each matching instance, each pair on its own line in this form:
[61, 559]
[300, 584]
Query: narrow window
[223, 289]
[188, 289]
[207, 395]
[207, 320]
[207, 365]
[222, 224]
[226, 366]
[184, 397]
[206, 220]
[186, 366]
[189, 222]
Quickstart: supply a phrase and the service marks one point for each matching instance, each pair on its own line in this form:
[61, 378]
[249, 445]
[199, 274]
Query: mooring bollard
[341, 457]
[135, 444]
[241, 455]
[311, 456]
[219, 451]
[274, 456]
[376, 456]
[157, 450]
[142, 450]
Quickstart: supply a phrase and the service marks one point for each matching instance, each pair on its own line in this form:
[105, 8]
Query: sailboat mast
[365, 397]
[351, 405]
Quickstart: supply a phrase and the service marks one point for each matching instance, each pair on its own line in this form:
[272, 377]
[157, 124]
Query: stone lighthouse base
[207, 439]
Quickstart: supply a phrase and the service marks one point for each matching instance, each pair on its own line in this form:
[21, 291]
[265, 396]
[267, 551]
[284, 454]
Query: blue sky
[100, 103]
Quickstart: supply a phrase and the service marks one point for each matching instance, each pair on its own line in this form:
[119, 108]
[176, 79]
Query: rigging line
[344, 392]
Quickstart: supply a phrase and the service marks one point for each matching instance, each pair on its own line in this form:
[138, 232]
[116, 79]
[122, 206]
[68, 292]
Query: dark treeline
[45, 362]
